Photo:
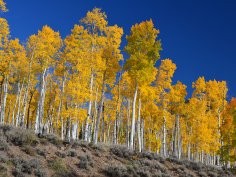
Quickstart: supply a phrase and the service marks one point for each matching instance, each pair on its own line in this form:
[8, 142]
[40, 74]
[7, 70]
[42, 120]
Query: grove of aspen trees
[82, 88]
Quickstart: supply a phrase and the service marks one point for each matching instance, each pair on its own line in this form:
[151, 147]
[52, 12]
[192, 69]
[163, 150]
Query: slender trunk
[28, 114]
[102, 137]
[19, 105]
[127, 127]
[114, 132]
[60, 107]
[179, 142]
[40, 108]
[176, 143]
[133, 119]
[138, 126]
[62, 128]
[142, 134]
[25, 100]
[74, 131]
[164, 137]
[100, 110]
[108, 133]
[4, 99]
[189, 151]
[27, 93]
[15, 105]
[94, 116]
[86, 132]
[68, 127]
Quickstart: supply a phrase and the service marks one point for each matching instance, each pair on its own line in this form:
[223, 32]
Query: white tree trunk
[189, 151]
[138, 126]
[142, 134]
[95, 115]
[4, 100]
[164, 138]
[62, 129]
[133, 119]
[19, 106]
[86, 131]
[114, 132]
[68, 128]
[15, 105]
[127, 127]
[74, 131]
[40, 108]
[99, 115]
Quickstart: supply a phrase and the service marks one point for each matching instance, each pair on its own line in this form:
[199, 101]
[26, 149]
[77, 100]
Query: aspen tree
[143, 50]
[177, 98]
[95, 23]
[12, 54]
[163, 86]
[46, 43]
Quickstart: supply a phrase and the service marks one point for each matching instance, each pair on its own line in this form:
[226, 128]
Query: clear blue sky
[198, 35]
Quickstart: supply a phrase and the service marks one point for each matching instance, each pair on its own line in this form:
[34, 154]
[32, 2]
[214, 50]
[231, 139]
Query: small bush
[43, 141]
[60, 154]
[39, 173]
[60, 169]
[147, 155]
[85, 162]
[121, 151]
[77, 144]
[3, 159]
[21, 137]
[54, 139]
[3, 171]
[3, 145]
[28, 150]
[175, 160]
[193, 165]
[212, 174]
[41, 152]
[144, 172]
[72, 153]
[202, 174]
[116, 171]
[6, 128]
[35, 163]
[145, 162]
[17, 173]
[22, 166]
[100, 146]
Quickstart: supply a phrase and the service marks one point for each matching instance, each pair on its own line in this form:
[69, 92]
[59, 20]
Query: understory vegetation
[44, 158]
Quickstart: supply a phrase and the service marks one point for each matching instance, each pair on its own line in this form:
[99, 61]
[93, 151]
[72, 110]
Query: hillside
[24, 154]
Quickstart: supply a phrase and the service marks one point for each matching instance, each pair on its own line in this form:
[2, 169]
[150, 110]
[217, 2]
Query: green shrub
[60, 154]
[121, 151]
[54, 139]
[41, 152]
[3, 171]
[60, 169]
[21, 137]
[116, 171]
[85, 162]
[3, 145]
[28, 150]
[72, 153]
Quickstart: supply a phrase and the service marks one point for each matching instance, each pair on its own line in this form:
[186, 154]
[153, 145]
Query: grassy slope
[24, 154]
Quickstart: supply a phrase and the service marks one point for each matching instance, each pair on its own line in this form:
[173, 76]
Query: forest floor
[22, 154]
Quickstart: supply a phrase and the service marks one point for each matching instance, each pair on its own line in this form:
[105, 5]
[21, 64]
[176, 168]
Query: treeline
[80, 87]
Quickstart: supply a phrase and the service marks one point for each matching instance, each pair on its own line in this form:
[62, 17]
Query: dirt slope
[22, 154]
